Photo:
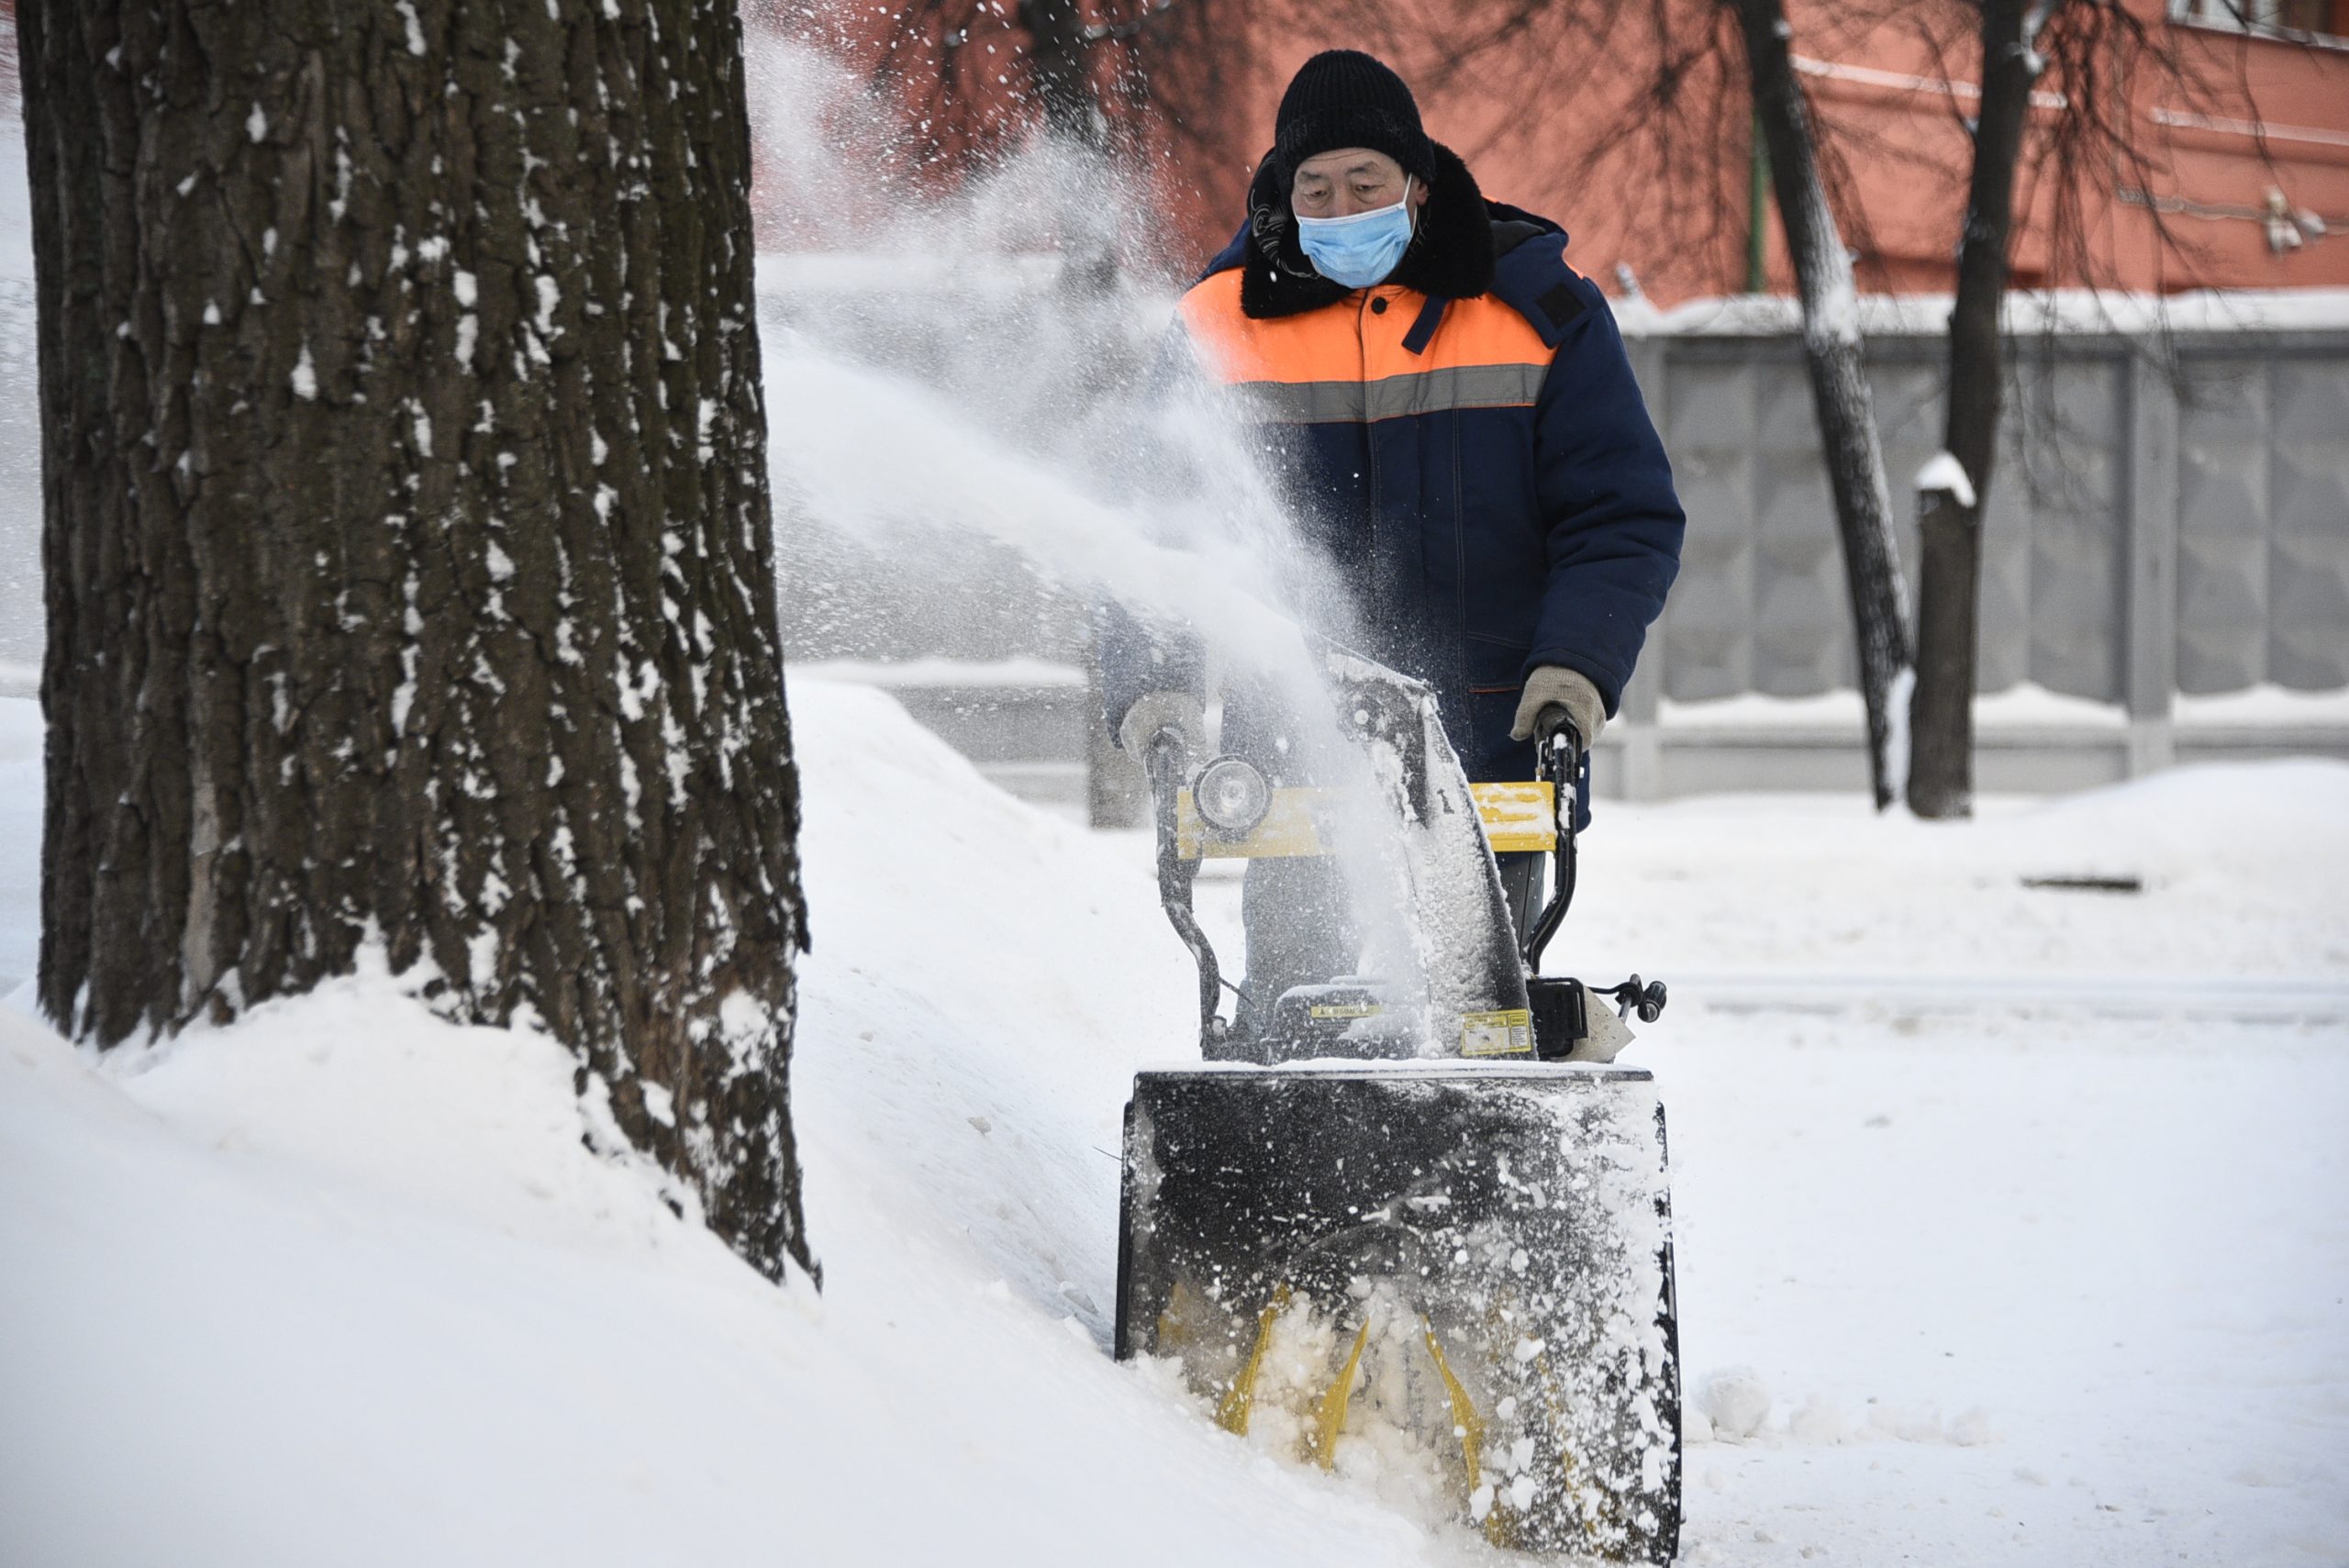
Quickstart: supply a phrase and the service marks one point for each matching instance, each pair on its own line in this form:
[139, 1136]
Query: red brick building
[2243, 150]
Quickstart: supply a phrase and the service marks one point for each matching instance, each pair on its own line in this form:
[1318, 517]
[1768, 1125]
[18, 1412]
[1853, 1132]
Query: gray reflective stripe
[1422, 391]
[1462, 386]
[1303, 402]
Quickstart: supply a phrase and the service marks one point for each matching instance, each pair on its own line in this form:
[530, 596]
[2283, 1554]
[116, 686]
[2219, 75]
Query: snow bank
[341, 1284]
[2267, 707]
[2026, 704]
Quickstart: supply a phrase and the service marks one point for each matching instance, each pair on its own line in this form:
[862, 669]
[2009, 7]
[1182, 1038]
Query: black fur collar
[1450, 255]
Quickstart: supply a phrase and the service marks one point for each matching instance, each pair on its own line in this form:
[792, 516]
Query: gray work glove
[1154, 711]
[1569, 689]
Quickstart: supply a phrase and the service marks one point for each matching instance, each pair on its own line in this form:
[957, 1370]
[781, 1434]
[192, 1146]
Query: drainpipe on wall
[1757, 210]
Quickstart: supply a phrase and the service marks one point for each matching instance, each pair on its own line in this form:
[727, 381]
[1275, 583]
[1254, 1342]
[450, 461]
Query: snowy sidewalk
[2027, 1207]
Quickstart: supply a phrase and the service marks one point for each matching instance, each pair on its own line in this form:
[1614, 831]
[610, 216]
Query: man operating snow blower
[1410, 1221]
[1454, 426]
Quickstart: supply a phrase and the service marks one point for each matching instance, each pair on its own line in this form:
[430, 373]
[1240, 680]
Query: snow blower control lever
[1164, 765]
[1561, 1014]
[1557, 761]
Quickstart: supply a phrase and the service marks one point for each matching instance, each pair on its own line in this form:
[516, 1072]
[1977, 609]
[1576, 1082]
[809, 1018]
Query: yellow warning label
[1517, 816]
[1507, 1032]
[1346, 1009]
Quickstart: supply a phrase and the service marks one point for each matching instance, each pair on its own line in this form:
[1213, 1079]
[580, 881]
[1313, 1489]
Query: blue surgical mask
[1361, 250]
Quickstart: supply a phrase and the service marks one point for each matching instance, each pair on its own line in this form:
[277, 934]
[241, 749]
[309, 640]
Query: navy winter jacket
[1464, 444]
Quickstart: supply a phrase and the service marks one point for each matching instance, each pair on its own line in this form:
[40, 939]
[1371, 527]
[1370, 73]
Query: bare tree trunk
[1940, 774]
[1839, 383]
[407, 542]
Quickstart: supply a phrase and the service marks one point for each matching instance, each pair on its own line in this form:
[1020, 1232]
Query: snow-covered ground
[2032, 1274]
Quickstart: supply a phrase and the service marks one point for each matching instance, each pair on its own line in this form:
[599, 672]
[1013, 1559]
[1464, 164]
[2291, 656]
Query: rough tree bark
[407, 542]
[1949, 581]
[1839, 383]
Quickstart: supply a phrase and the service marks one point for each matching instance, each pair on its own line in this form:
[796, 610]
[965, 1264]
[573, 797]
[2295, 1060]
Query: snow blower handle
[1557, 740]
[1166, 761]
[1557, 761]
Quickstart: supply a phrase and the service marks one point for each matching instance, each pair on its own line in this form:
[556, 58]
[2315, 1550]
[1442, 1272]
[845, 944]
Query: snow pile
[341, 1285]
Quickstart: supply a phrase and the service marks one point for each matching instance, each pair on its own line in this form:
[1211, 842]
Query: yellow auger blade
[1231, 1411]
[1469, 1427]
[1332, 1417]
[1466, 1424]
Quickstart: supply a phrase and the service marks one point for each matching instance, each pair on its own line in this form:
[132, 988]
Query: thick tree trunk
[407, 541]
[1839, 383]
[1941, 774]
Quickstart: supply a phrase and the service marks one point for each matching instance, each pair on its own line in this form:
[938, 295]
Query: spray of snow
[936, 371]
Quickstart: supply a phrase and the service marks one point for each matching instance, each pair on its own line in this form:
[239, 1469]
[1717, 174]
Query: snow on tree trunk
[1941, 715]
[407, 542]
[1839, 383]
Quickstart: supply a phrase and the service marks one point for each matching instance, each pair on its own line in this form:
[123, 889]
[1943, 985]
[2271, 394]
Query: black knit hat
[1342, 97]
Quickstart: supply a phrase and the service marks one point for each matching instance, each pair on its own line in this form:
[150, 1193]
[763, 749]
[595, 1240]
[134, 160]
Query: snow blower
[1414, 1229]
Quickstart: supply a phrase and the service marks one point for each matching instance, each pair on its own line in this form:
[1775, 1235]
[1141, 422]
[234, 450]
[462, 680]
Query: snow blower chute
[1414, 1228]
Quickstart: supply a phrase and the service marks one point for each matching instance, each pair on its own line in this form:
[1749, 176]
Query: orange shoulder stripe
[1316, 345]
[1349, 341]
